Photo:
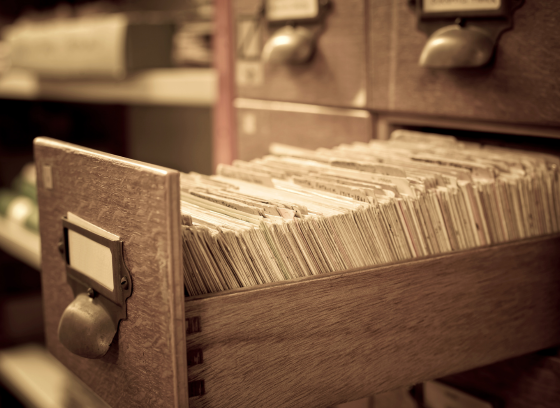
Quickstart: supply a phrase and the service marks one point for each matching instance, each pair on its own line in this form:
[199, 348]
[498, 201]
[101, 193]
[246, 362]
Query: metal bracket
[89, 324]
[462, 36]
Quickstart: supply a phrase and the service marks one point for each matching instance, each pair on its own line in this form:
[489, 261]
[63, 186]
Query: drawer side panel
[322, 341]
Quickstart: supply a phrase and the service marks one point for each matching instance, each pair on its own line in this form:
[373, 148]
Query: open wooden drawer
[312, 342]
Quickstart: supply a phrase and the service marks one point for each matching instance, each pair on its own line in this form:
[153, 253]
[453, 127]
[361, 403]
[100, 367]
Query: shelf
[179, 87]
[38, 380]
[20, 243]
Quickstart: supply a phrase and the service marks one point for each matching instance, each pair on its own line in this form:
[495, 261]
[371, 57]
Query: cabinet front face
[261, 123]
[335, 74]
[520, 84]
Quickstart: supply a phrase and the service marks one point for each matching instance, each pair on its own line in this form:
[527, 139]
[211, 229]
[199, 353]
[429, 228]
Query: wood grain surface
[258, 128]
[525, 382]
[322, 341]
[146, 364]
[335, 76]
[520, 85]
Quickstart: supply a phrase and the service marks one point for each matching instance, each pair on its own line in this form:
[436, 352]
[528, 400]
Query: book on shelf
[97, 46]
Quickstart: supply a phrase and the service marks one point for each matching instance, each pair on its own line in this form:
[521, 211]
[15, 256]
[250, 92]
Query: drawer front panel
[321, 341]
[146, 362]
[336, 74]
[261, 123]
[521, 84]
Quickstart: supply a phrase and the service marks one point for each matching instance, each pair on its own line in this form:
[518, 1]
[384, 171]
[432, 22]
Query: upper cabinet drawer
[520, 84]
[335, 73]
[296, 124]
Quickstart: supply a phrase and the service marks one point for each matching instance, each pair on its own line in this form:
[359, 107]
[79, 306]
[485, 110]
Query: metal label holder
[504, 10]
[89, 324]
[323, 7]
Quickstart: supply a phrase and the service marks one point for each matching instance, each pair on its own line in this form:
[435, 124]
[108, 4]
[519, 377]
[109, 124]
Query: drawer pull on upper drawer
[301, 22]
[471, 40]
[456, 47]
[101, 284]
[289, 45]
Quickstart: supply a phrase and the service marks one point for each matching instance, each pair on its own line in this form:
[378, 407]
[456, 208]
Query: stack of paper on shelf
[300, 212]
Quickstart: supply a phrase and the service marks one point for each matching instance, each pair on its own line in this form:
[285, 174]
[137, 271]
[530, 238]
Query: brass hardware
[462, 35]
[89, 324]
[87, 327]
[454, 46]
[295, 41]
[289, 45]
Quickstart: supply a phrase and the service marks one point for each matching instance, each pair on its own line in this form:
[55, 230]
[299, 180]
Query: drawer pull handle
[300, 26]
[86, 328]
[289, 45]
[456, 47]
[471, 40]
[90, 322]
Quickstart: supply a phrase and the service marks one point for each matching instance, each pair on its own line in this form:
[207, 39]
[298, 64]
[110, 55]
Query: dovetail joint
[194, 357]
[196, 388]
[193, 325]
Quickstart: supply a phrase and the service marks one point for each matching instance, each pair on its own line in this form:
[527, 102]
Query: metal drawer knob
[456, 47]
[86, 328]
[289, 45]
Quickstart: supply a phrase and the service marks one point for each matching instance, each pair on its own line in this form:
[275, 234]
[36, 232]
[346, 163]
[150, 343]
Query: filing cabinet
[517, 92]
[322, 340]
[382, 49]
